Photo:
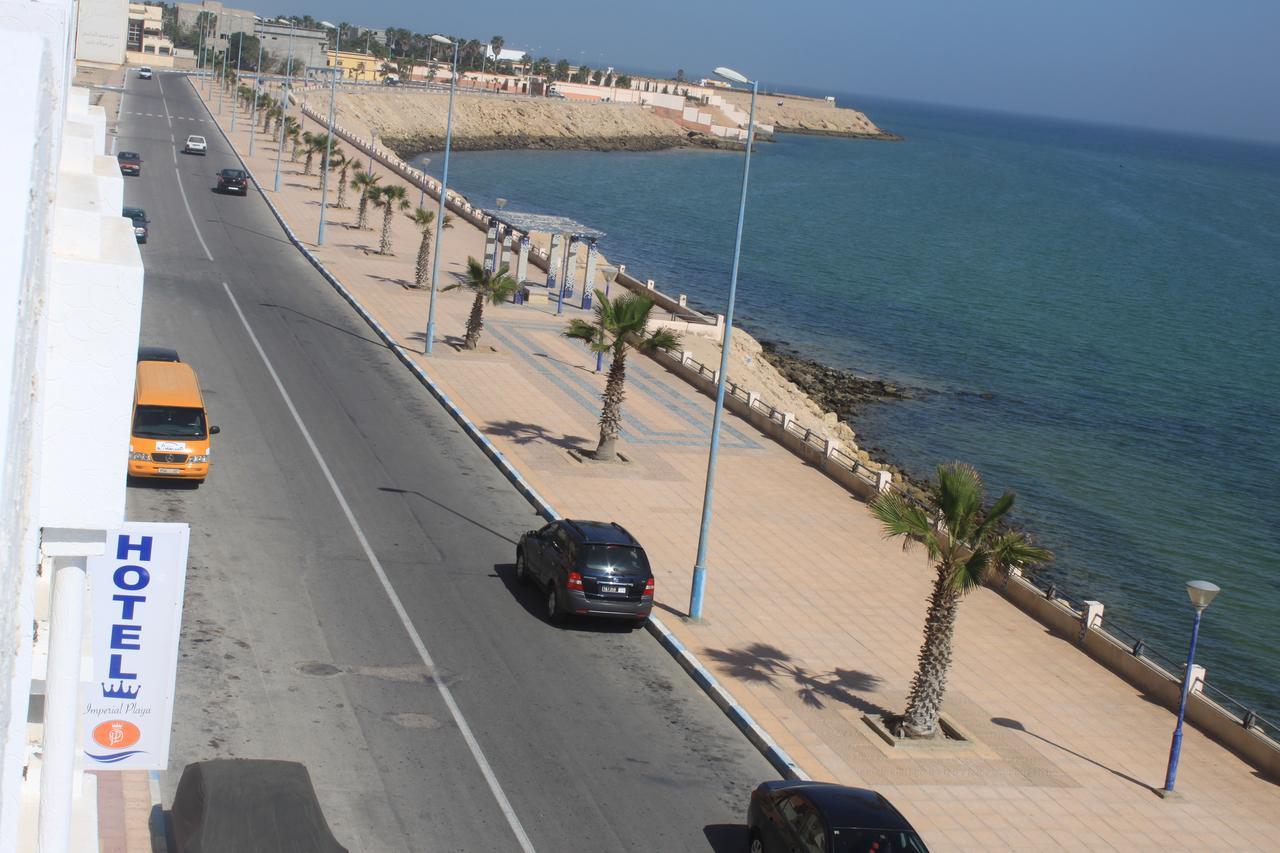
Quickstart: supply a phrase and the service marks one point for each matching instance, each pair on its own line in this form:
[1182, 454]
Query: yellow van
[170, 435]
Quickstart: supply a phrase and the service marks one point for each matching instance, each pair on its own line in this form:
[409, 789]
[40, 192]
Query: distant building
[310, 47]
[146, 43]
[228, 21]
[356, 65]
[507, 54]
[380, 36]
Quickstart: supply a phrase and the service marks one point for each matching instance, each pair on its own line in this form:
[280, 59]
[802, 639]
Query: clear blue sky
[1194, 66]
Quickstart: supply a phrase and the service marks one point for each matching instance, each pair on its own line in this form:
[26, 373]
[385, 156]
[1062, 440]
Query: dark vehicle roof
[127, 155]
[250, 805]
[234, 173]
[134, 213]
[843, 806]
[601, 532]
[157, 354]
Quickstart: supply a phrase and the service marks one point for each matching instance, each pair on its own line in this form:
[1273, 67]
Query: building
[369, 33]
[228, 21]
[146, 43]
[310, 48]
[356, 65]
[70, 314]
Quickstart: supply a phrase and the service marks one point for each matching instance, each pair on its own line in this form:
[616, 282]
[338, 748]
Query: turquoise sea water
[1091, 313]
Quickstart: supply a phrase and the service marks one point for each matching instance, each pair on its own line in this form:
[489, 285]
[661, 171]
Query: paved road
[292, 648]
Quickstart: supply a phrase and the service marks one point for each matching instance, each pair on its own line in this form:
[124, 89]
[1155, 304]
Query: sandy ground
[805, 115]
[92, 76]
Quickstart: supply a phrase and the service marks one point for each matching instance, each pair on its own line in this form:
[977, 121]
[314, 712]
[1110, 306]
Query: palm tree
[968, 543]
[269, 109]
[367, 184]
[294, 134]
[619, 326]
[312, 144]
[424, 219]
[389, 198]
[491, 287]
[340, 161]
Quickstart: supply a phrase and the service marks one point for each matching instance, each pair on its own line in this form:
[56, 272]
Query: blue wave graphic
[112, 759]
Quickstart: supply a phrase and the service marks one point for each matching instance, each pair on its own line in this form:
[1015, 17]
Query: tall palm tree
[338, 163]
[269, 111]
[968, 544]
[620, 325]
[490, 287]
[312, 144]
[367, 184]
[293, 133]
[424, 219]
[390, 198]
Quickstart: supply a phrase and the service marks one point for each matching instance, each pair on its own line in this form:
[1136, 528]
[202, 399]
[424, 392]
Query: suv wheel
[554, 614]
[757, 845]
[522, 571]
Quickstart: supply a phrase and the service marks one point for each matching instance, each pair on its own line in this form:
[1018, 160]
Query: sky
[1207, 68]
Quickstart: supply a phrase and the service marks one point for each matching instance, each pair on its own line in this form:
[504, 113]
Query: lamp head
[610, 273]
[436, 37]
[1201, 593]
[328, 25]
[730, 74]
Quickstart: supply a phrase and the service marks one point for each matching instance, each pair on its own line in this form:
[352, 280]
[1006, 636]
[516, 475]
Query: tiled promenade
[812, 617]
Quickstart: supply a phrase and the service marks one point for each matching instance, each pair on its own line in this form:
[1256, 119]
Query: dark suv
[587, 568]
[233, 181]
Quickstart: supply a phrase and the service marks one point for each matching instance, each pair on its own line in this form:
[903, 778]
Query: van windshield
[168, 422]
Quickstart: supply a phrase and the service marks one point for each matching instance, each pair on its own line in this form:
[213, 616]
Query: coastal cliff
[795, 114]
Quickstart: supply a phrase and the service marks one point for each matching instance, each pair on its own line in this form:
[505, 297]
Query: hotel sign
[136, 589]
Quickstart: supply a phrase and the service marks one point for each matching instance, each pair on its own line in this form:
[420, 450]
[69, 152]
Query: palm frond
[901, 517]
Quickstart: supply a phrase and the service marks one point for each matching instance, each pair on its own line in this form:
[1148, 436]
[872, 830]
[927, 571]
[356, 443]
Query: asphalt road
[584, 738]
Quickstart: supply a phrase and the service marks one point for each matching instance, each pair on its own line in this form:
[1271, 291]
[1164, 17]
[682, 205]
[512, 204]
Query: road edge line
[689, 662]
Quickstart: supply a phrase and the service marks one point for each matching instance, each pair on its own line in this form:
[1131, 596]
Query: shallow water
[1092, 313]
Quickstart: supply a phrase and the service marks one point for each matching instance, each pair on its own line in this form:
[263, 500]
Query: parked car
[130, 163]
[587, 568]
[157, 354]
[819, 816]
[140, 222]
[249, 805]
[233, 181]
[195, 145]
[145, 72]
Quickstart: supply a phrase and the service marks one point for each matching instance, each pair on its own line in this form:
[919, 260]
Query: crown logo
[119, 690]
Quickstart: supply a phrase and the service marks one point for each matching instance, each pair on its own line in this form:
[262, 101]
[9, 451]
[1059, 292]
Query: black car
[233, 181]
[130, 163]
[157, 354]
[140, 222]
[587, 568]
[826, 818]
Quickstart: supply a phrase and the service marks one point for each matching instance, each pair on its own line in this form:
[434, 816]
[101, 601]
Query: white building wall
[101, 31]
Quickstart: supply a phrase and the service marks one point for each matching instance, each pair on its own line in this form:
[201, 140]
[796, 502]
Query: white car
[145, 72]
[195, 145]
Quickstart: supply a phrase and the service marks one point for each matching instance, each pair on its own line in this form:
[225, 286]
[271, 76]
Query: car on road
[144, 72]
[140, 222]
[157, 354]
[195, 145]
[233, 181]
[825, 818]
[130, 163]
[587, 568]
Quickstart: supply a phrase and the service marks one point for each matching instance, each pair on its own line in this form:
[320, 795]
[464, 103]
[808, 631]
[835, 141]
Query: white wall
[101, 30]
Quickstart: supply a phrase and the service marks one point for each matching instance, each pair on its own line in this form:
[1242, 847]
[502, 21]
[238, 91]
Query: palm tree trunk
[924, 702]
[362, 212]
[475, 323]
[611, 412]
[424, 256]
[342, 186]
[384, 244]
[306, 166]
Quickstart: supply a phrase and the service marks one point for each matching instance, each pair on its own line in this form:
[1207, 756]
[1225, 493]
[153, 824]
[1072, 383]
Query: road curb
[759, 738]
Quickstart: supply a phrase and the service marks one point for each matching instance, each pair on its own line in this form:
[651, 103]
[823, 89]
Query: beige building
[356, 65]
[229, 20]
[146, 43]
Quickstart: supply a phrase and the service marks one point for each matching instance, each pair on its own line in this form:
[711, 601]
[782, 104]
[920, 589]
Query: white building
[70, 310]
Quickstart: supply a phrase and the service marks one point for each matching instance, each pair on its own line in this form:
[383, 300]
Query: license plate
[611, 588]
[169, 470]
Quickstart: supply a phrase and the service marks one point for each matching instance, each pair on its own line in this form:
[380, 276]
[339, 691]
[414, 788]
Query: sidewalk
[812, 617]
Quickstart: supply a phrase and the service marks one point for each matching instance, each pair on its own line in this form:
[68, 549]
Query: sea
[1089, 315]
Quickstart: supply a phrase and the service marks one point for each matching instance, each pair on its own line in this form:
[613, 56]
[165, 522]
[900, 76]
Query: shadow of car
[249, 805]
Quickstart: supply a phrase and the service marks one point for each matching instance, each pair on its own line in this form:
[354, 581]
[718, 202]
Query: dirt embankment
[789, 114]
[413, 122]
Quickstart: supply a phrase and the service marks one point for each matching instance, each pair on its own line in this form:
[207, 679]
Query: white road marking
[445, 693]
[178, 177]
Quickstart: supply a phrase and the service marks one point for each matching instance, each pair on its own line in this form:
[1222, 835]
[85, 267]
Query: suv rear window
[168, 422]
[621, 558]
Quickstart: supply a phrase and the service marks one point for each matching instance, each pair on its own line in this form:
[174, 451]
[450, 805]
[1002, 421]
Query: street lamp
[328, 147]
[239, 52]
[222, 87]
[444, 191]
[1200, 593]
[700, 563]
[284, 101]
[257, 84]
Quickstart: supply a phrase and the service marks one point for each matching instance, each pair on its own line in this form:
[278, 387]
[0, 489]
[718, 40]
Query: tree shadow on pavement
[1016, 726]
[524, 433]
[726, 837]
[765, 664]
[403, 282]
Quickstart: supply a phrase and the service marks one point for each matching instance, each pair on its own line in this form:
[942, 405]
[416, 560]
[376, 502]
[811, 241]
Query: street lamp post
[222, 83]
[239, 52]
[700, 564]
[1200, 593]
[444, 192]
[204, 22]
[284, 101]
[328, 148]
[257, 84]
